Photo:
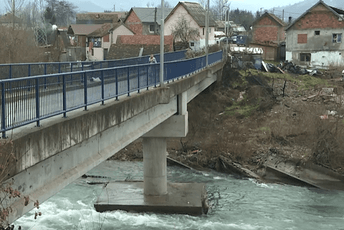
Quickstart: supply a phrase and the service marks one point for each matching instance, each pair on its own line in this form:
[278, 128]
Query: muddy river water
[235, 204]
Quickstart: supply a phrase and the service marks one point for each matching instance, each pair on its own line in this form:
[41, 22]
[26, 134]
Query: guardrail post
[59, 71]
[64, 96]
[154, 72]
[138, 79]
[10, 77]
[37, 102]
[45, 73]
[10, 72]
[85, 90]
[147, 77]
[128, 80]
[102, 85]
[3, 110]
[29, 74]
[71, 76]
[116, 79]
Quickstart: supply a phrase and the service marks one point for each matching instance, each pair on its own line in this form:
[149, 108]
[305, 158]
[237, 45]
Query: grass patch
[303, 82]
[265, 129]
[309, 82]
[241, 110]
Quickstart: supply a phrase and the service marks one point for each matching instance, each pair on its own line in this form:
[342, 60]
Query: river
[235, 204]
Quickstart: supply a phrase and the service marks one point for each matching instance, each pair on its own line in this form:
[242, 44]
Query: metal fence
[18, 70]
[32, 99]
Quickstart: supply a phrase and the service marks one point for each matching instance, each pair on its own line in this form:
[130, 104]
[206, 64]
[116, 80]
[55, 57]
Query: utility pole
[207, 33]
[162, 45]
[155, 27]
[13, 11]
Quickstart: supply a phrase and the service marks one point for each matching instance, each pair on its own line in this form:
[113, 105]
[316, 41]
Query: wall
[269, 52]
[97, 54]
[268, 29]
[319, 17]
[134, 23]
[145, 39]
[323, 50]
[175, 17]
[121, 30]
[320, 59]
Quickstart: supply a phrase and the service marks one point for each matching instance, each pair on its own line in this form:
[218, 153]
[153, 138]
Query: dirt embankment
[252, 117]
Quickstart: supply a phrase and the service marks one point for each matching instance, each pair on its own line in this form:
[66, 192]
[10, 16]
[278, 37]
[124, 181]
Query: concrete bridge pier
[154, 166]
[155, 194]
[155, 148]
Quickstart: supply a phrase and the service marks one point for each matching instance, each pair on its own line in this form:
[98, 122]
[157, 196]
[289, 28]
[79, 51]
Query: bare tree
[183, 32]
[219, 7]
[60, 12]
[12, 6]
[166, 5]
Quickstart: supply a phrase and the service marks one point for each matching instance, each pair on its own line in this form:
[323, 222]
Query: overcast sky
[251, 5]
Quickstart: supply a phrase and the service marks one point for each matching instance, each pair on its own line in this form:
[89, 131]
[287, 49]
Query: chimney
[289, 21]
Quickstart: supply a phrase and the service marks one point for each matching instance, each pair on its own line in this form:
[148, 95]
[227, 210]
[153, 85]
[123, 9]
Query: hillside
[297, 9]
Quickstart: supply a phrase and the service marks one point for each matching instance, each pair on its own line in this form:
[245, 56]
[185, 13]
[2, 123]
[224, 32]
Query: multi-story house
[315, 38]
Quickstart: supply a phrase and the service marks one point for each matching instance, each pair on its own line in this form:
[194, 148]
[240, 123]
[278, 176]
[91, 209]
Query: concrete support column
[154, 166]
[183, 103]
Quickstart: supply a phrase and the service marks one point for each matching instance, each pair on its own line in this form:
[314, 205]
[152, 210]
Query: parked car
[226, 41]
[241, 40]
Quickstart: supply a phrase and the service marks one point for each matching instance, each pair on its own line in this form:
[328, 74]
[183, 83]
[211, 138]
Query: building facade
[315, 38]
[268, 33]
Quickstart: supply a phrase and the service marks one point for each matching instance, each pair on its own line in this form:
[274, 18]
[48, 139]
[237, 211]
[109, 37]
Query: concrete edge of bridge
[181, 198]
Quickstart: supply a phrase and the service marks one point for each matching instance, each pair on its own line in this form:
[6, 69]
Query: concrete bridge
[60, 150]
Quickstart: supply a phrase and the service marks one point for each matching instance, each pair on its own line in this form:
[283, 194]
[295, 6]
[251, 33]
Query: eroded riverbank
[256, 121]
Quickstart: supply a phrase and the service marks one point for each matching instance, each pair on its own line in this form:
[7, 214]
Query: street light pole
[207, 33]
[162, 45]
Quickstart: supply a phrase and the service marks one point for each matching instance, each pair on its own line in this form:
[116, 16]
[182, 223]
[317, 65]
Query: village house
[268, 33]
[145, 21]
[145, 24]
[96, 39]
[315, 38]
[195, 14]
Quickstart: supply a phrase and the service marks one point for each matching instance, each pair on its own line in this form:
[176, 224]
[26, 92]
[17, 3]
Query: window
[151, 28]
[92, 52]
[317, 32]
[337, 38]
[97, 42]
[305, 57]
[302, 38]
[192, 44]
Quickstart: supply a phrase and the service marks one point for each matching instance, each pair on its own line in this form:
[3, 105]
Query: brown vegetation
[252, 115]
[19, 46]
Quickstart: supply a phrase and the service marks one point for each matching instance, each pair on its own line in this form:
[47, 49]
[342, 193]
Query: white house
[195, 14]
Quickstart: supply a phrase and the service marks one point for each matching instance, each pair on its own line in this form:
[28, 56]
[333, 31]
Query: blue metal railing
[32, 99]
[17, 70]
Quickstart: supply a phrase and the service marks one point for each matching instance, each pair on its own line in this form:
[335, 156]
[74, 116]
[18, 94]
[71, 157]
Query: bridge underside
[63, 149]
